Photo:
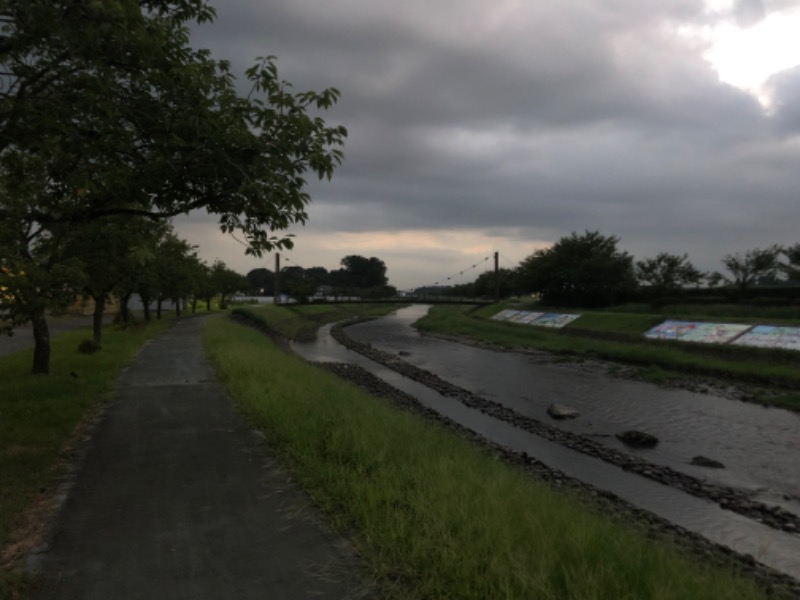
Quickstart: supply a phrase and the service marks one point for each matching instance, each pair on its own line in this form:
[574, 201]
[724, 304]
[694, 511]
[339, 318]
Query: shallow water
[607, 405]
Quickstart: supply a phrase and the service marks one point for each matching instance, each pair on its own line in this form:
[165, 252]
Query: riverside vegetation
[438, 517]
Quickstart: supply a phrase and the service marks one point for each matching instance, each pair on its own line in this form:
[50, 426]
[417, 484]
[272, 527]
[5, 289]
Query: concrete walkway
[178, 499]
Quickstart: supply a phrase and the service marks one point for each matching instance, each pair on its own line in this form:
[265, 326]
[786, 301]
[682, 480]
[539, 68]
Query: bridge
[440, 291]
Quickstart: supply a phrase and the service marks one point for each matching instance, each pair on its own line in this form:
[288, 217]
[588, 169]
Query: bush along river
[501, 398]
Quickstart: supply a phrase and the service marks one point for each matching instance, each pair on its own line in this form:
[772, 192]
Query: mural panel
[555, 320]
[767, 336]
[695, 331]
[505, 315]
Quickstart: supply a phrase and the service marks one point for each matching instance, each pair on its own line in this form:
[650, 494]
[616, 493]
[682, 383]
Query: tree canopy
[107, 102]
[748, 267]
[667, 273]
[579, 270]
[106, 112]
[360, 272]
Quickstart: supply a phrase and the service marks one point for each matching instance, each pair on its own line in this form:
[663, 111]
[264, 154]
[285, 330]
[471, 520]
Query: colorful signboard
[767, 336]
[695, 331]
[505, 315]
[556, 320]
[529, 318]
[534, 318]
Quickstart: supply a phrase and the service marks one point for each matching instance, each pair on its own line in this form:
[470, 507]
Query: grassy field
[430, 511]
[38, 416]
[618, 336]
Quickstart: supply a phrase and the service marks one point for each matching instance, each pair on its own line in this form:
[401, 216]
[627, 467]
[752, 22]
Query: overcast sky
[478, 126]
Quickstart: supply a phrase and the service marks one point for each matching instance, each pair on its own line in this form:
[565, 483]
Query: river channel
[758, 445]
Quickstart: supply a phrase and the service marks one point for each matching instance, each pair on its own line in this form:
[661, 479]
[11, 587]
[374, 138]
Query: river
[758, 445]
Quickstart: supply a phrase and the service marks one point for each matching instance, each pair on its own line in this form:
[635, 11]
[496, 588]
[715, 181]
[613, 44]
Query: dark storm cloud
[541, 118]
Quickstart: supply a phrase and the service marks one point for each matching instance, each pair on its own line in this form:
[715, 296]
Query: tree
[205, 287]
[298, 285]
[175, 272]
[141, 275]
[33, 277]
[359, 272]
[127, 119]
[747, 268]
[106, 111]
[31, 286]
[792, 268]
[487, 282]
[226, 282]
[261, 282]
[107, 254]
[579, 270]
[667, 273]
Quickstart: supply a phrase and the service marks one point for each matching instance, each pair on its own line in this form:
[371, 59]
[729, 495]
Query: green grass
[712, 312]
[624, 343]
[296, 321]
[429, 510]
[39, 414]
[634, 324]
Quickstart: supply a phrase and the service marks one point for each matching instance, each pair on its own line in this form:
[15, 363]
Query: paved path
[178, 499]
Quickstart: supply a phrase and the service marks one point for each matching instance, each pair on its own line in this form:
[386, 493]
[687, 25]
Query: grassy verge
[38, 416]
[431, 511]
[747, 313]
[298, 321]
[619, 337]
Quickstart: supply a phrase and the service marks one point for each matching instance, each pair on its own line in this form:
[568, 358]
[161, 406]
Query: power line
[513, 265]
[445, 279]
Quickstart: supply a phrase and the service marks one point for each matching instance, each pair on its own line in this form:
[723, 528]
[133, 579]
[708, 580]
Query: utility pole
[496, 277]
[277, 298]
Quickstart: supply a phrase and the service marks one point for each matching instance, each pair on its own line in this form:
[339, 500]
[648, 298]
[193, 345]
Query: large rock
[638, 439]
[560, 412]
[702, 461]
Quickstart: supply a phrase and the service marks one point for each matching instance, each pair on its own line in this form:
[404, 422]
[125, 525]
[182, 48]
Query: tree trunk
[41, 349]
[178, 307]
[222, 303]
[145, 306]
[124, 313]
[97, 318]
[208, 306]
[158, 308]
[194, 304]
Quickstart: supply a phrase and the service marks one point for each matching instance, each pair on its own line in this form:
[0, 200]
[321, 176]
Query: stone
[702, 461]
[638, 439]
[560, 411]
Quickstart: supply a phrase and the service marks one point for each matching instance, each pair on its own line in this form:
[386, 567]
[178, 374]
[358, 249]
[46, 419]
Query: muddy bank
[726, 497]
